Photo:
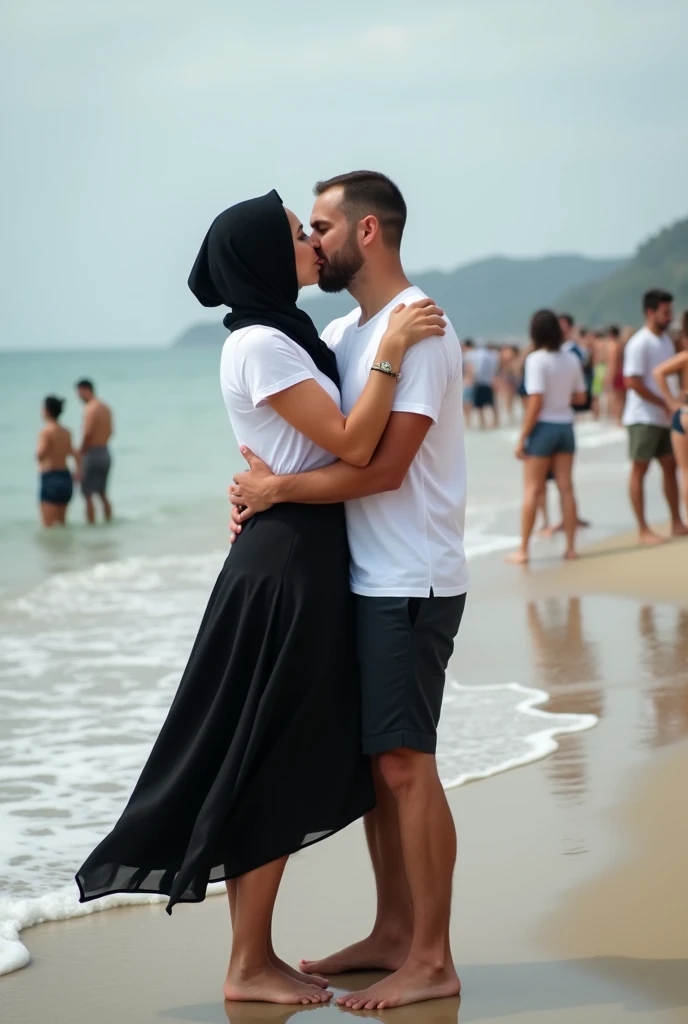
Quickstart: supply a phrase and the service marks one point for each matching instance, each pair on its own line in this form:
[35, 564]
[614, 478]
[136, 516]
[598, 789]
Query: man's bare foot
[413, 983]
[679, 530]
[650, 538]
[371, 954]
[268, 985]
[582, 523]
[571, 556]
[517, 558]
[291, 972]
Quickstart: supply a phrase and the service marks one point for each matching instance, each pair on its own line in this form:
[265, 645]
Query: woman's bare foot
[371, 954]
[517, 558]
[291, 972]
[546, 531]
[413, 983]
[268, 985]
[571, 555]
[648, 537]
[679, 530]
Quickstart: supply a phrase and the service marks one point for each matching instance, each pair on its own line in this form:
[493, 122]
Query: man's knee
[400, 768]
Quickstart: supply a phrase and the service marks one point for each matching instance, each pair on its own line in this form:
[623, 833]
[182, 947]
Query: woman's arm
[354, 438]
[665, 370]
[533, 410]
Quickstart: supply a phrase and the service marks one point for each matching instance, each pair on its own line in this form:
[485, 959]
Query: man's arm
[339, 482]
[636, 384]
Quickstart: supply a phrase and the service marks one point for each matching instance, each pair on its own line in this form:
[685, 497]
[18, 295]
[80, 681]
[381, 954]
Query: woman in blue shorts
[678, 366]
[553, 383]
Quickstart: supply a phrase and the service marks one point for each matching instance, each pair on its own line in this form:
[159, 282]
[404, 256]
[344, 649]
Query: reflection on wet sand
[567, 666]
[664, 635]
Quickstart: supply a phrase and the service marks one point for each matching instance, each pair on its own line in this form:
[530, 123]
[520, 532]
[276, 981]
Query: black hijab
[247, 262]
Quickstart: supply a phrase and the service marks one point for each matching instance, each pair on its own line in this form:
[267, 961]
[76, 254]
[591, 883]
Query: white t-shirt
[258, 362]
[484, 365]
[405, 542]
[643, 352]
[557, 376]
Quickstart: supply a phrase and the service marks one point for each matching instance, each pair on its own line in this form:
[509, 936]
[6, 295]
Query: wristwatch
[385, 367]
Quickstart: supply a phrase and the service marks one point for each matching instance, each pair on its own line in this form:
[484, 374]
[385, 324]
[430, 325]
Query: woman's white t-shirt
[258, 362]
[557, 376]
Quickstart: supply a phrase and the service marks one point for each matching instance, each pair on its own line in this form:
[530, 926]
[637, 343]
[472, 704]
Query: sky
[513, 127]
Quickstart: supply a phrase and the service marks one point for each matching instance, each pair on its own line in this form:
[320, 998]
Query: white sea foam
[89, 662]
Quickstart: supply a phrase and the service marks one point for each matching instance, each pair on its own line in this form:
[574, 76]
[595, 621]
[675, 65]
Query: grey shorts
[404, 646]
[548, 439]
[95, 466]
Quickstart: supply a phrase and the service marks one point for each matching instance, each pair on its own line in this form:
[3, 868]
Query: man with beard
[405, 519]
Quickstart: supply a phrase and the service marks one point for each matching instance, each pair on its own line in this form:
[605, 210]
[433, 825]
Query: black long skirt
[260, 754]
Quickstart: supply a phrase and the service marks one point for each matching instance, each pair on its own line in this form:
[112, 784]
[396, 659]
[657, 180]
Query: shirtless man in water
[54, 448]
[93, 457]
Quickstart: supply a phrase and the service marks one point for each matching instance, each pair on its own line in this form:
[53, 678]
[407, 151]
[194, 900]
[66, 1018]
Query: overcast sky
[517, 127]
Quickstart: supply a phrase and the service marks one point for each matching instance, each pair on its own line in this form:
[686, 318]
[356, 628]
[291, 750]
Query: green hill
[494, 297]
[662, 262]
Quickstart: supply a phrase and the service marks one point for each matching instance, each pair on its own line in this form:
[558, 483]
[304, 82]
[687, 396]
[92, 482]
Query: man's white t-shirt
[258, 362]
[406, 542]
[556, 376]
[643, 352]
[484, 364]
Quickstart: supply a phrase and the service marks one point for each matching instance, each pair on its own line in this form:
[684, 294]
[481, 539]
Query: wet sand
[570, 903]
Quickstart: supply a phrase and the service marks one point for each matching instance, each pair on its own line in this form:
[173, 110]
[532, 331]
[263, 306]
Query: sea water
[96, 623]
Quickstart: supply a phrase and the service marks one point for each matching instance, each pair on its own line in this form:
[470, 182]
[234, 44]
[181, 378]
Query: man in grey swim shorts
[94, 458]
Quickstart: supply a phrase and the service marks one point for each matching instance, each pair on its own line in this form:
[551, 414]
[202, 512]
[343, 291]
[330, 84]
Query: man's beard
[338, 271]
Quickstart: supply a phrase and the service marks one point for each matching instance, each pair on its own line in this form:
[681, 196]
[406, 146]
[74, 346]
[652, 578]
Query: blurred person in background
[468, 380]
[676, 370]
[94, 459]
[647, 413]
[508, 378]
[482, 362]
[54, 448]
[554, 383]
[614, 381]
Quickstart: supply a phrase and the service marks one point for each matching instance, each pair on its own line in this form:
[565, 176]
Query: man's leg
[107, 507]
[668, 464]
[409, 703]
[388, 945]
[429, 847]
[90, 509]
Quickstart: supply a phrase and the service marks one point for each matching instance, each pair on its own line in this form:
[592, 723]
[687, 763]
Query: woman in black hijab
[260, 755]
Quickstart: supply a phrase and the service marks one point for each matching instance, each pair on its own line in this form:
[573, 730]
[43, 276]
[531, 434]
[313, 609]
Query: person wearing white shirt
[405, 516]
[647, 416]
[245, 770]
[484, 370]
[553, 382]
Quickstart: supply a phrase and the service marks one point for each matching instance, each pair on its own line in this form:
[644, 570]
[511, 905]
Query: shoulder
[336, 329]
[256, 342]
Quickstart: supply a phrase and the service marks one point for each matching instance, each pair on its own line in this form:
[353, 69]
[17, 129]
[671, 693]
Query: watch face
[387, 367]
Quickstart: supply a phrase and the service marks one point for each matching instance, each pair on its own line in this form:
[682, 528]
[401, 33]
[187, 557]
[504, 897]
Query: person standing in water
[94, 460]
[54, 448]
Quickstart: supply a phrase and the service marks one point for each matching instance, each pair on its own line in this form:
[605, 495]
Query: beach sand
[570, 902]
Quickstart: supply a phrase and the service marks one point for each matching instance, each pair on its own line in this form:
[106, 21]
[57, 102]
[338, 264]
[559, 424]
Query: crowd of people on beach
[638, 378]
[61, 465]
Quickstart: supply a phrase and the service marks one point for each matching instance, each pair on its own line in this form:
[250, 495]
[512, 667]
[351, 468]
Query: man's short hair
[613, 331]
[568, 318]
[84, 383]
[469, 343]
[655, 298]
[366, 192]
